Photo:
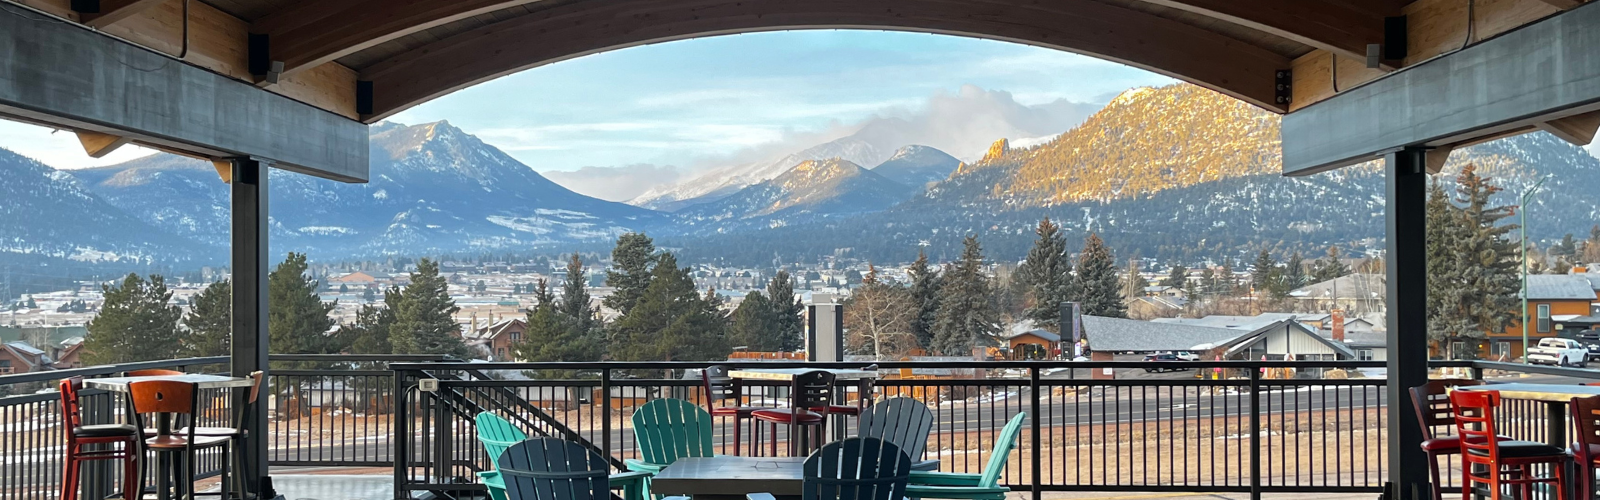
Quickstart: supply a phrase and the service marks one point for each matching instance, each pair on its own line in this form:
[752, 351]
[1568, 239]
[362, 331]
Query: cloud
[59, 148]
[615, 183]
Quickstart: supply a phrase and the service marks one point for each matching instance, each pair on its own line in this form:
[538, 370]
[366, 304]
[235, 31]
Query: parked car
[1163, 358]
[1591, 340]
[1562, 352]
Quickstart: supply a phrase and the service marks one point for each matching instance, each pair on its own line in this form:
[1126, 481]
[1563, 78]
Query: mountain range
[1171, 172]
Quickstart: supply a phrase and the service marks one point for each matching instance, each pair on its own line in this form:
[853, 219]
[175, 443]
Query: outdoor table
[164, 467]
[1555, 396]
[730, 478]
[863, 380]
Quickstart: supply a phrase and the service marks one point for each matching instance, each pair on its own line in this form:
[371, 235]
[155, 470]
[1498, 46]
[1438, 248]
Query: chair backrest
[163, 396]
[716, 386]
[1002, 451]
[856, 469]
[1432, 401]
[553, 469]
[1474, 415]
[813, 389]
[71, 410]
[496, 434]
[903, 422]
[153, 372]
[669, 429]
[1586, 417]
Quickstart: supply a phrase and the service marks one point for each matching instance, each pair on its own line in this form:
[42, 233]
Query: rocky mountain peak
[997, 150]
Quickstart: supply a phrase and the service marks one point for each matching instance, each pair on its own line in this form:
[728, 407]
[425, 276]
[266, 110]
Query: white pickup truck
[1562, 352]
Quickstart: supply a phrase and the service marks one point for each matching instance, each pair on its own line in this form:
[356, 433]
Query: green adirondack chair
[496, 434]
[971, 486]
[669, 429]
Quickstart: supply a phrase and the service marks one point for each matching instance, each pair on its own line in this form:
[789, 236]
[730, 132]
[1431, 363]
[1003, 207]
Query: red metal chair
[1586, 448]
[1489, 459]
[178, 399]
[1432, 401]
[79, 436]
[718, 388]
[813, 389]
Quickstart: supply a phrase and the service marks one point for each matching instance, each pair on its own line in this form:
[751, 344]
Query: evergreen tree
[1329, 267]
[370, 332]
[424, 318]
[1176, 277]
[1490, 276]
[967, 316]
[1566, 248]
[367, 295]
[671, 321]
[1226, 286]
[753, 324]
[575, 301]
[136, 322]
[210, 321]
[632, 261]
[555, 336]
[1261, 274]
[297, 319]
[1208, 282]
[1097, 280]
[1294, 272]
[925, 285]
[788, 314]
[1047, 276]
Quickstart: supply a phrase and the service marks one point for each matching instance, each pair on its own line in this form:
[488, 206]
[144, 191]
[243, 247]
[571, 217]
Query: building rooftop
[1116, 334]
[1560, 286]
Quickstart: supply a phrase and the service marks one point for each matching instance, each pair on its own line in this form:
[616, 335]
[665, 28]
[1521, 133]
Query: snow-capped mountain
[725, 181]
[47, 217]
[433, 188]
[917, 166]
[812, 190]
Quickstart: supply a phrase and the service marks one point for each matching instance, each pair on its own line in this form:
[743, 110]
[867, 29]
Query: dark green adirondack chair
[861, 468]
[984, 486]
[496, 434]
[903, 422]
[667, 430]
[556, 469]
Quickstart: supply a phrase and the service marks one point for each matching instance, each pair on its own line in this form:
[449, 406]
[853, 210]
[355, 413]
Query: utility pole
[1526, 194]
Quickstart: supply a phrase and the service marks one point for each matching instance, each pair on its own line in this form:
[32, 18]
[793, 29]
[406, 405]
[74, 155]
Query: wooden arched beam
[580, 27]
[1335, 26]
[309, 33]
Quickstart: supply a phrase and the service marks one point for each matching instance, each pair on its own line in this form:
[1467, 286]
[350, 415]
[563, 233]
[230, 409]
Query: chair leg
[1433, 471]
[226, 491]
[132, 488]
[1561, 480]
[69, 475]
[736, 427]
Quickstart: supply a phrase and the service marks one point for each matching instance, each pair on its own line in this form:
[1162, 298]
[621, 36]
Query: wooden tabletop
[1554, 393]
[730, 476]
[120, 384]
[787, 374]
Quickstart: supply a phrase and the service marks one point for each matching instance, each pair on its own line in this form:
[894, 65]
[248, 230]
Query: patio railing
[1266, 427]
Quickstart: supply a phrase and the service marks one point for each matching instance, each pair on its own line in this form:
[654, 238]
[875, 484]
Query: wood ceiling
[410, 51]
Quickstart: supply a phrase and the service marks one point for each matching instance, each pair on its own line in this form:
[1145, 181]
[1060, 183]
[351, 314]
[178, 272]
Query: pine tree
[670, 322]
[788, 314]
[925, 285]
[632, 261]
[1047, 276]
[967, 316]
[1261, 278]
[1491, 276]
[369, 334]
[1294, 272]
[210, 321]
[424, 320]
[1097, 283]
[753, 324]
[136, 323]
[1176, 277]
[575, 301]
[1329, 267]
[368, 295]
[297, 319]
[1226, 286]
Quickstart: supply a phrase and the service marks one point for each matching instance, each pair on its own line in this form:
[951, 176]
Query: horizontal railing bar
[1539, 369]
[885, 365]
[331, 373]
[52, 375]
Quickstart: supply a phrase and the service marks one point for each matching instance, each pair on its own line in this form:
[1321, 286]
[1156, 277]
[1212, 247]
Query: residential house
[19, 357]
[360, 279]
[69, 353]
[1551, 299]
[1037, 343]
[1356, 293]
[500, 338]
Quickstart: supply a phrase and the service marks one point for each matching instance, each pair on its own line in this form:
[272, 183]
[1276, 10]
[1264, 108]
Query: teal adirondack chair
[669, 429]
[496, 434]
[984, 486]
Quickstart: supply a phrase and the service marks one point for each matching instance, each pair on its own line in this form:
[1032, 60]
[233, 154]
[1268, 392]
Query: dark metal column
[1406, 266]
[250, 260]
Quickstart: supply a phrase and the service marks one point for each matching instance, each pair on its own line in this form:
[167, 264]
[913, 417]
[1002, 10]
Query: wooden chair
[555, 469]
[669, 429]
[853, 469]
[903, 422]
[80, 436]
[985, 486]
[178, 399]
[1432, 401]
[1490, 460]
[719, 387]
[813, 389]
[1586, 445]
[496, 434]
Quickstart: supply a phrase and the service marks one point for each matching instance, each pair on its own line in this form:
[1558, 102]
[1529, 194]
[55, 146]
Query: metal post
[1406, 266]
[1522, 211]
[605, 415]
[400, 440]
[1255, 434]
[1033, 422]
[249, 185]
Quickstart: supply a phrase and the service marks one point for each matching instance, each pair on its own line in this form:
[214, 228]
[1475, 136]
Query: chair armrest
[637, 465]
[944, 478]
[925, 466]
[759, 496]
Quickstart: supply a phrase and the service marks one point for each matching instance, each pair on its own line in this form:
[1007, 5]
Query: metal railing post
[401, 439]
[442, 406]
[1033, 422]
[1255, 434]
[605, 409]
